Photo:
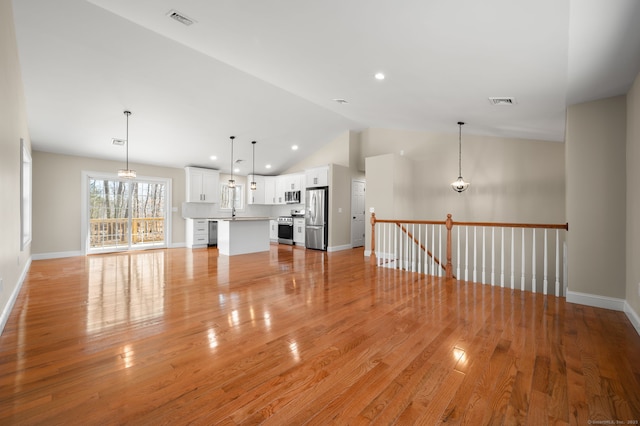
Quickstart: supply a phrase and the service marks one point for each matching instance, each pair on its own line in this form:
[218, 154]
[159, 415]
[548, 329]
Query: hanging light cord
[127, 113]
[460, 123]
[232, 138]
[254, 159]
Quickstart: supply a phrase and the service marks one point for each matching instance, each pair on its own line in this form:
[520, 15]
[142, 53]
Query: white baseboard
[56, 255]
[367, 253]
[6, 311]
[633, 316]
[178, 245]
[339, 248]
[596, 301]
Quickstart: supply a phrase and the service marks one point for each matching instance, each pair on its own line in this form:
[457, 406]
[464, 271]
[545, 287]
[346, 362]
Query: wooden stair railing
[449, 224]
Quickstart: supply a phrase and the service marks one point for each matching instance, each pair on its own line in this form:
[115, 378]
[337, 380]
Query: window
[125, 214]
[25, 194]
[227, 195]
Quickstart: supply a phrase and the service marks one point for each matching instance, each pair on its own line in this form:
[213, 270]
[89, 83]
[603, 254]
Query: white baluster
[533, 263]
[523, 264]
[475, 252]
[466, 253]
[545, 283]
[513, 277]
[458, 255]
[483, 256]
[413, 248]
[433, 249]
[557, 262]
[440, 250]
[395, 248]
[502, 260]
[493, 256]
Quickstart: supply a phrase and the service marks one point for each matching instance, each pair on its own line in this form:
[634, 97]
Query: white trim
[633, 316]
[178, 245]
[596, 301]
[339, 248]
[367, 253]
[56, 255]
[6, 311]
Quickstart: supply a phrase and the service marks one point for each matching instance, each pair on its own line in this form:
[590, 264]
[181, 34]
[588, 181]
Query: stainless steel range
[285, 230]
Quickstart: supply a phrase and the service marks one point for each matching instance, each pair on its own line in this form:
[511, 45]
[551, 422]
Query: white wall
[13, 126]
[633, 198]
[57, 206]
[512, 180]
[596, 192]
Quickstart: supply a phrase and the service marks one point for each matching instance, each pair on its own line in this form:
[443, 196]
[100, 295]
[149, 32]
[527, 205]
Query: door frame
[84, 207]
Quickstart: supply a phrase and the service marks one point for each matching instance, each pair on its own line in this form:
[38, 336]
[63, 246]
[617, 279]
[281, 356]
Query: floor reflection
[124, 288]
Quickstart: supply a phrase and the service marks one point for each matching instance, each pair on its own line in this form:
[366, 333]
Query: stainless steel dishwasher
[213, 233]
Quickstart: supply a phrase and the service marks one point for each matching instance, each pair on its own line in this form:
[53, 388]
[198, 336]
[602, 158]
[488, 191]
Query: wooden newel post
[449, 267]
[372, 257]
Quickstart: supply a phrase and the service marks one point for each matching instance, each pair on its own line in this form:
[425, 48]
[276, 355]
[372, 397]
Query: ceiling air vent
[183, 19]
[502, 101]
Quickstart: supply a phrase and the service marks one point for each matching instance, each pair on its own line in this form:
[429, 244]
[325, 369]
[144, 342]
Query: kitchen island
[242, 235]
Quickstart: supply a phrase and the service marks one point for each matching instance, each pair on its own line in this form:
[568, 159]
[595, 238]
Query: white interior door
[358, 189]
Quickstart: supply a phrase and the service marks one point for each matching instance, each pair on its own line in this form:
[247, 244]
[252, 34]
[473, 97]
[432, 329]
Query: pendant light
[254, 185]
[232, 183]
[460, 185]
[127, 173]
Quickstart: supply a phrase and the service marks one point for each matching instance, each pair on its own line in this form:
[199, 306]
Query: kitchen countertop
[239, 218]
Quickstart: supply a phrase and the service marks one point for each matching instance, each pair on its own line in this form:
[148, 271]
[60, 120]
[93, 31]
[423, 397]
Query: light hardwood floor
[296, 336]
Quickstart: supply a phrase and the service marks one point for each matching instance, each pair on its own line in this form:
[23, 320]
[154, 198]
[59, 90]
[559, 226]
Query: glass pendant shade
[459, 185]
[127, 173]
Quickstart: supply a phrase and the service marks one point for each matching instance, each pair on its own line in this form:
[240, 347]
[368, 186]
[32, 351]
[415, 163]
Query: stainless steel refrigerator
[316, 218]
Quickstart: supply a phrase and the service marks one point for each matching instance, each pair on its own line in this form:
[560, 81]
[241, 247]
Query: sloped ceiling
[270, 71]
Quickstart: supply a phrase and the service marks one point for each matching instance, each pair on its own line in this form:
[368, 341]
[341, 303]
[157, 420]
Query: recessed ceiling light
[268, 166]
[213, 157]
[341, 101]
[236, 170]
[294, 147]
[379, 76]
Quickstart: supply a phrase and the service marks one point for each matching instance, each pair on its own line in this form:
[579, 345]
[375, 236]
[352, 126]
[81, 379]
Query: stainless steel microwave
[292, 197]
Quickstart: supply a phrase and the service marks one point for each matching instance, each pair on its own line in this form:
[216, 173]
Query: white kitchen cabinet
[280, 188]
[197, 233]
[202, 185]
[298, 230]
[259, 195]
[273, 230]
[317, 177]
[270, 189]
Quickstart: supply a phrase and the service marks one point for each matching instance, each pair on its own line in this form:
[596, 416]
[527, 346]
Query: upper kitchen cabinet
[202, 185]
[318, 176]
[270, 190]
[293, 182]
[257, 196]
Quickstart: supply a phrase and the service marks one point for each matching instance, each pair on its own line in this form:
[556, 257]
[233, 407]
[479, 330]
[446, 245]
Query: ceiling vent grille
[183, 19]
[502, 101]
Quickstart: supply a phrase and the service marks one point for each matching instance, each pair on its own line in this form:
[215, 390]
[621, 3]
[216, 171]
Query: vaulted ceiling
[271, 71]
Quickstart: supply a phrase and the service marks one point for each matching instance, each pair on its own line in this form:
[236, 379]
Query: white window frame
[225, 197]
[84, 207]
[26, 194]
